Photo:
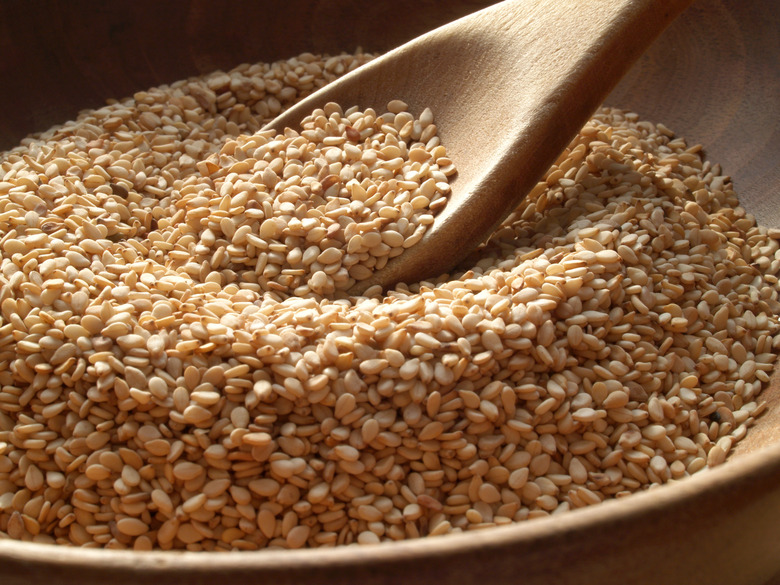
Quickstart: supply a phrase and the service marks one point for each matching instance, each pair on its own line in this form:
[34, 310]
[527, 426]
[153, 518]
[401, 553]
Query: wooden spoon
[509, 87]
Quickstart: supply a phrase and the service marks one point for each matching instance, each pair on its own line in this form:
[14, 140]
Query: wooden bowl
[714, 78]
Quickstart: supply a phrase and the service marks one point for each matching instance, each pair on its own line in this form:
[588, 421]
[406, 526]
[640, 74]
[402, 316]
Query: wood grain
[714, 77]
[57, 58]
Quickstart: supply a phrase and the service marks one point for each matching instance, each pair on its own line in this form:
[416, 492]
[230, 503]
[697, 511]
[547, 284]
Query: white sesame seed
[200, 373]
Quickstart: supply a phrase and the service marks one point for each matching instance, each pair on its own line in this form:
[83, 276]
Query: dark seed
[352, 134]
[119, 190]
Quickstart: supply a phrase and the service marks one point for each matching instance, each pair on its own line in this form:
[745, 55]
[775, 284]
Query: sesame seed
[186, 370]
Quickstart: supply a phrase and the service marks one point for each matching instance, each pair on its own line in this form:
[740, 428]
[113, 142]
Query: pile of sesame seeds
[313, 212]
[159, 390]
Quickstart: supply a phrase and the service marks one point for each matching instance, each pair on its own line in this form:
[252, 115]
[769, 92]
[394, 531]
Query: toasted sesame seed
[131, 526]
[186, 369]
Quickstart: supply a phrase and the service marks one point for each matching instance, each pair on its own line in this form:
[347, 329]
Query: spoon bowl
[509, 87]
